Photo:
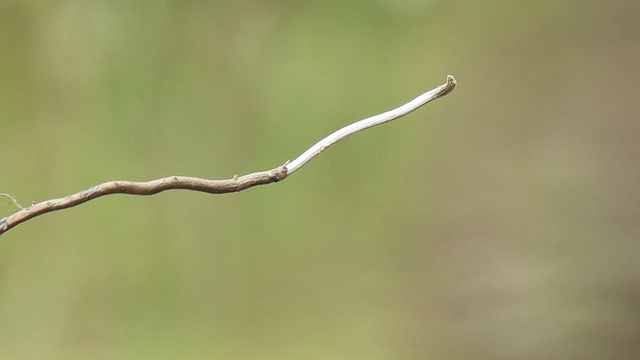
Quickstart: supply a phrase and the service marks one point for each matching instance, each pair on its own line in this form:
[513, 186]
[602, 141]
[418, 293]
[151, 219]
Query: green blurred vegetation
[498, 223]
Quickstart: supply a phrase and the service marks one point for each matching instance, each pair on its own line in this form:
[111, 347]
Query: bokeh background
[500, 222]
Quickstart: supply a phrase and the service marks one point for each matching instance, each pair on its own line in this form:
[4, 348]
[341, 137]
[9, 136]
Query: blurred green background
[500, 222]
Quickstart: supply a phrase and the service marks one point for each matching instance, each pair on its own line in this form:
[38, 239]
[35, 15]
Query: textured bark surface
[235, 184]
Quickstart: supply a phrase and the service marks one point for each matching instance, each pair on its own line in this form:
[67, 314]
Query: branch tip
[449, 86]
[371, 121]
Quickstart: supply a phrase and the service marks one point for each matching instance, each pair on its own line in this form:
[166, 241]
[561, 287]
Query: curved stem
[372, 121]
[235, 184]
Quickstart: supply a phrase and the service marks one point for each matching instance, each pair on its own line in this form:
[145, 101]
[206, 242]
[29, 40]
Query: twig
[372, 121]
[235, 184]
[13, 200]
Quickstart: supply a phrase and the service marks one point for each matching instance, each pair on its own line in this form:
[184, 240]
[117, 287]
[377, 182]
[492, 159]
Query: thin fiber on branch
[235, 184]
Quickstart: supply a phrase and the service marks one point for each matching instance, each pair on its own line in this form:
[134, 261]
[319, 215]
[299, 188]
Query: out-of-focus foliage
[498, 223]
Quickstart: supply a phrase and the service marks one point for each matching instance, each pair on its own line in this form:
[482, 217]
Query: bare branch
[235, 184]
[372, 121]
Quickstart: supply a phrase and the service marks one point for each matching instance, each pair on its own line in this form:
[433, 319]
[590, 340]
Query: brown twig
[237, 183]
